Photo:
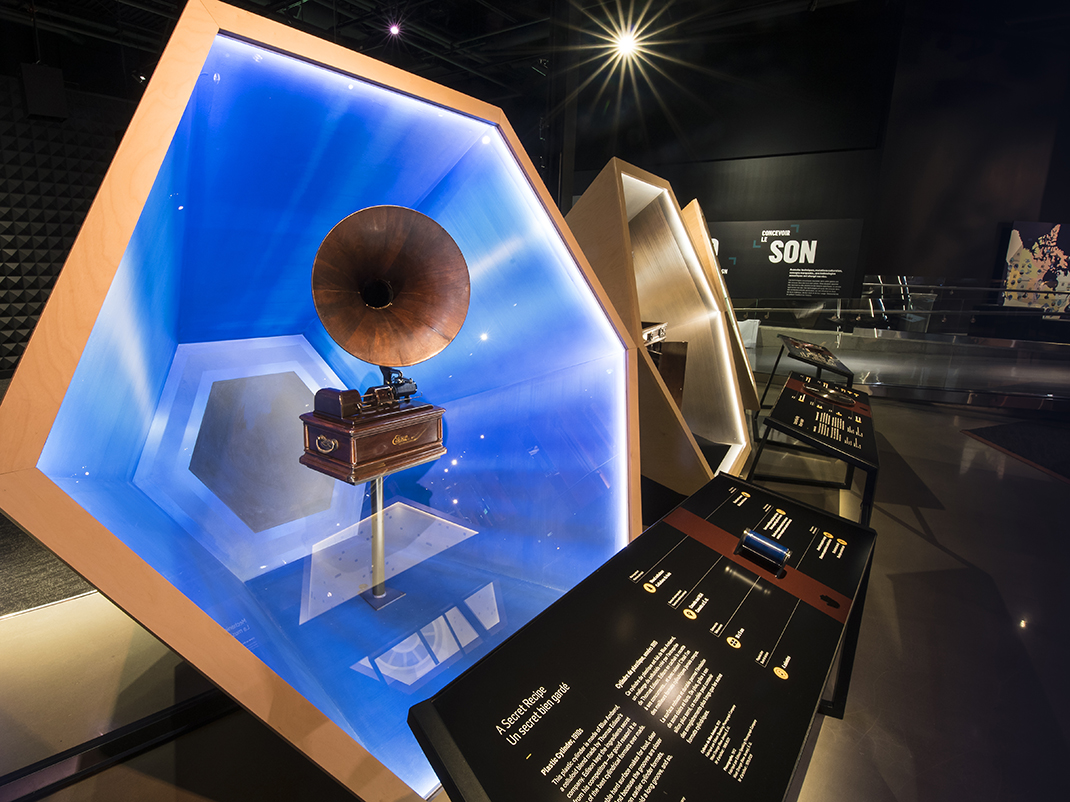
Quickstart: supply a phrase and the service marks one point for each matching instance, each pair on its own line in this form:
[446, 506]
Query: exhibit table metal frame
[842, 431]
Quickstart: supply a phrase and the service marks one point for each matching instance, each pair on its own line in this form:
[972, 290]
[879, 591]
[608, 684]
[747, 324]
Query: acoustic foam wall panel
[145, 427]
[49, 173]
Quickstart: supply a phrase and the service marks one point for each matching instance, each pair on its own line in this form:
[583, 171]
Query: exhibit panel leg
[772, 373]
[836, 706]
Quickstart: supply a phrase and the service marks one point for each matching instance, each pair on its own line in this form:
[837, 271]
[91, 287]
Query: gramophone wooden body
[356, 449]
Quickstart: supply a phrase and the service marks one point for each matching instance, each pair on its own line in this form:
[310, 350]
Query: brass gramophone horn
[390, 286]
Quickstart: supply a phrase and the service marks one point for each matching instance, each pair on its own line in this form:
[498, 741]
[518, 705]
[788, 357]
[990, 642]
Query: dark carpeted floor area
[30, 574]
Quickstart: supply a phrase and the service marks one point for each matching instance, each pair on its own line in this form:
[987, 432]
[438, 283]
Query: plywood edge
[699, 231]
[630, 337]
[635, 491]
[587, 266]
[51, 357]
[621, 167]
[669, 453]
[260, 30]
[340, 59]
[35, 503]
[598, 224]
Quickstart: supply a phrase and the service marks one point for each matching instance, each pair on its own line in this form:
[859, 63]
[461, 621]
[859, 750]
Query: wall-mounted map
[1038, 269]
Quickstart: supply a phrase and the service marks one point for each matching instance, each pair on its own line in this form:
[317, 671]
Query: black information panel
[817, 355]
[790, 258]
[828, 416]
[678, 671]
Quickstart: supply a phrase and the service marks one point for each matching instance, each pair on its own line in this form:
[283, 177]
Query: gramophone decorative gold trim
[391, 287]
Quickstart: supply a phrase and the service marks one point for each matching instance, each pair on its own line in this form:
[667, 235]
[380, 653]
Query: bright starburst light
[626, 44]
[632, 50]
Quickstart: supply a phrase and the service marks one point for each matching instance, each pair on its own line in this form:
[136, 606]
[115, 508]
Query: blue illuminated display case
[177, 434]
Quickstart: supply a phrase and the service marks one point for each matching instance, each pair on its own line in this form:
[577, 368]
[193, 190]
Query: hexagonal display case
[657, 264]
[152, 433]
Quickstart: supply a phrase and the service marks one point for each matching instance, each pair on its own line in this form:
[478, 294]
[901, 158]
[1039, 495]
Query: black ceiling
[726, 79]
[501, 47]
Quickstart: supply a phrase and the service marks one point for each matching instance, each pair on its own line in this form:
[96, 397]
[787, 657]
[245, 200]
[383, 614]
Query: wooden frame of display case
[46, 370]
[628, 253]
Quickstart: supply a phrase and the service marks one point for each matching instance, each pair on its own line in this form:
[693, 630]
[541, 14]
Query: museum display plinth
[684, 668]
[151, 434]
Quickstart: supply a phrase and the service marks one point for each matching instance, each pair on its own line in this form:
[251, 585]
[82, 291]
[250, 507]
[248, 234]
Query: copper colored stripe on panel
[802, 587]
[860, 406]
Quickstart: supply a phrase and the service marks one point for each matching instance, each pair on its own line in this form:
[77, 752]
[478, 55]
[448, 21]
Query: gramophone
[391, 288]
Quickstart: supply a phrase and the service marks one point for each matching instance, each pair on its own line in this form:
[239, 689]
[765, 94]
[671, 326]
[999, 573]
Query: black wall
[935, 121]
[971, 132]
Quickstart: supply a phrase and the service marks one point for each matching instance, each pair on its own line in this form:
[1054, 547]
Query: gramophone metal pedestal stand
[359, 438]
[379, 595]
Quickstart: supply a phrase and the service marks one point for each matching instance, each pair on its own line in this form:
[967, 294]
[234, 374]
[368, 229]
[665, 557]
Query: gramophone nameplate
[357, 449]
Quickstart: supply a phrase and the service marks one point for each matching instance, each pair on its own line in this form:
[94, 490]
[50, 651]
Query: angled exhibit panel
[695, 221]
[631, 228]
[152, 431]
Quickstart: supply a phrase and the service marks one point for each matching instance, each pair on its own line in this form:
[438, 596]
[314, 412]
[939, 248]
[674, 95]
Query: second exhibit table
[834, 422]
[685, 668]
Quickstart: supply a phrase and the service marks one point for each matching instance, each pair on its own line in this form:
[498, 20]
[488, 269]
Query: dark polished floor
[959, 688]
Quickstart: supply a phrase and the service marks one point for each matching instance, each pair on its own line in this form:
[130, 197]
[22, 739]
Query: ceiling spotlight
[629, 48]
[626, 43]
[395, 29]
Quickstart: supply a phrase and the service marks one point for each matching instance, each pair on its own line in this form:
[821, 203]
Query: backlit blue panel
[176, 429]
